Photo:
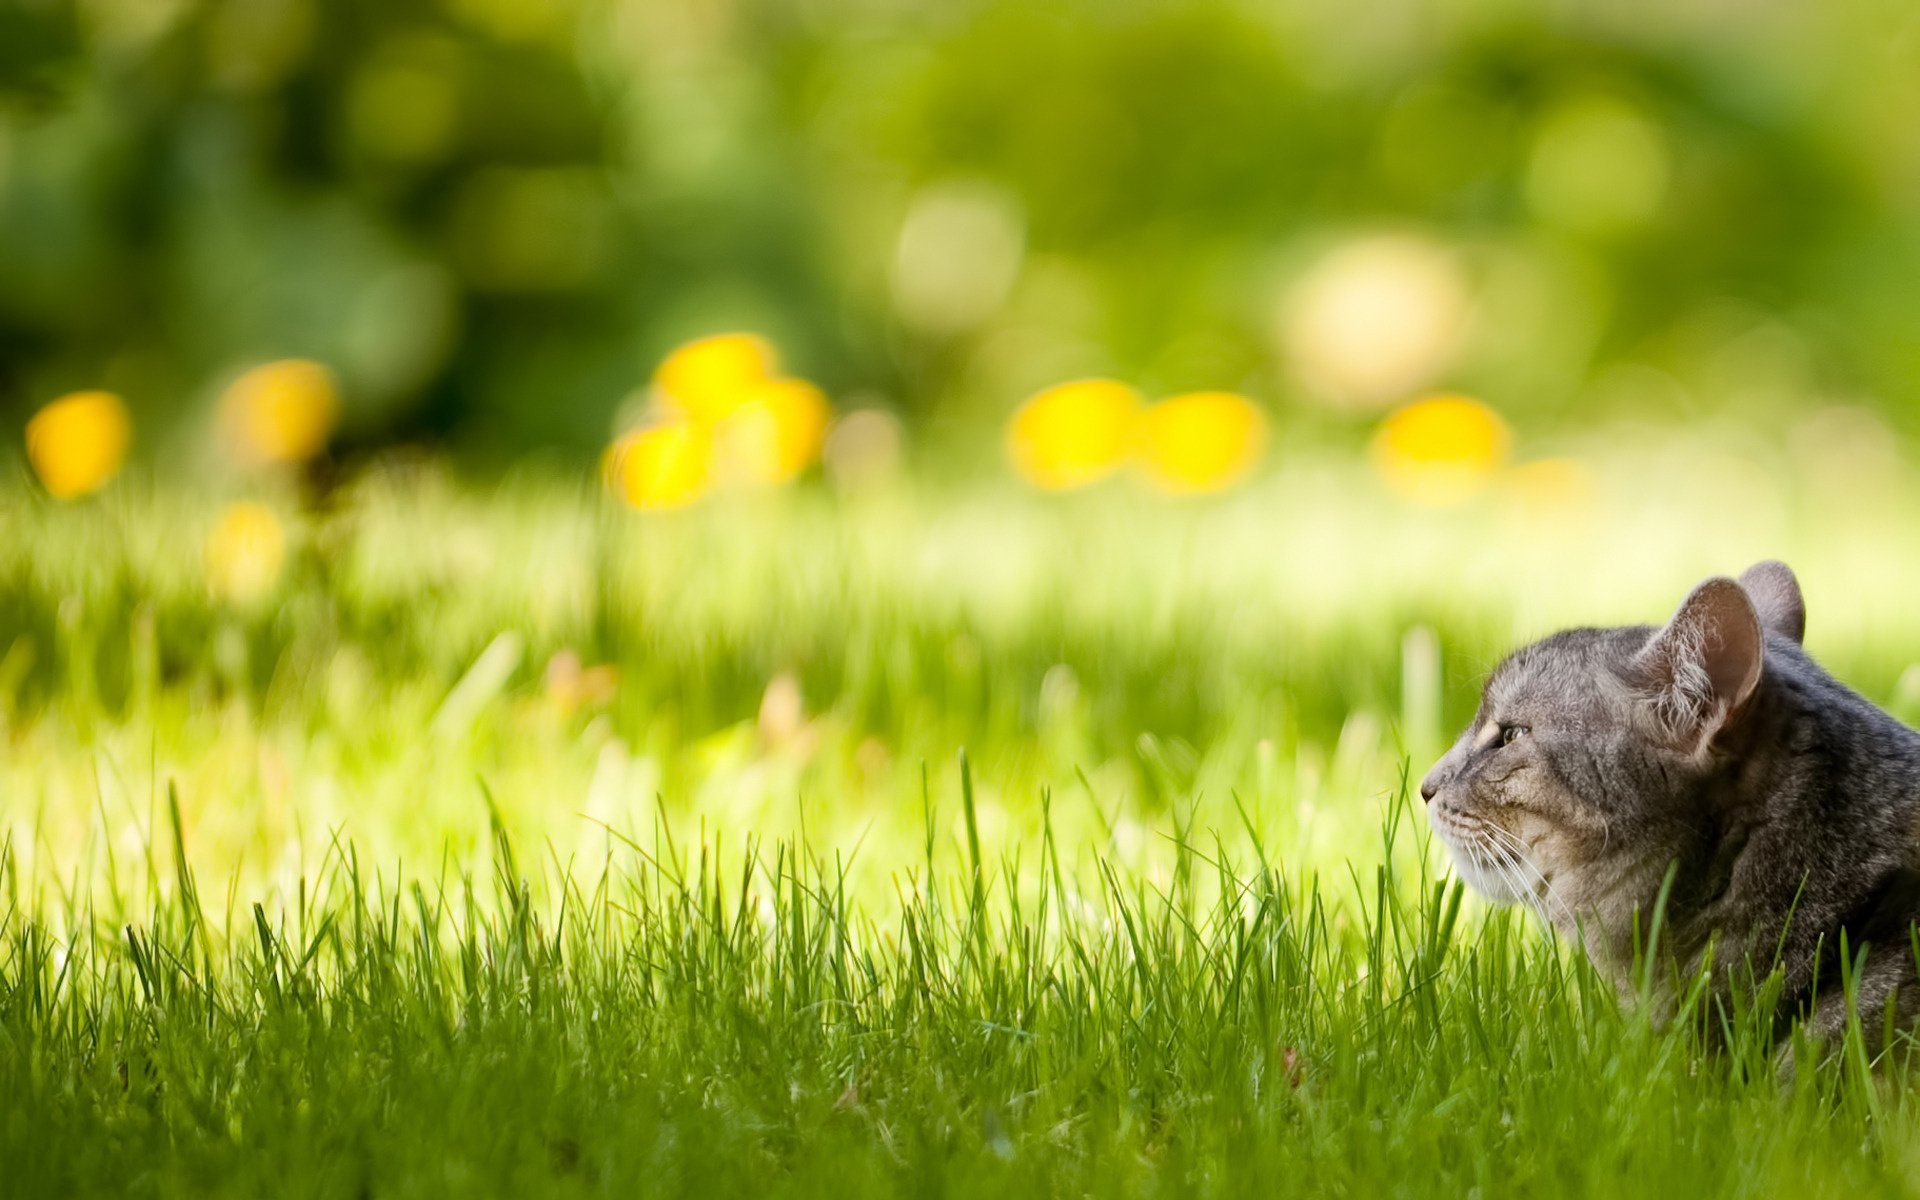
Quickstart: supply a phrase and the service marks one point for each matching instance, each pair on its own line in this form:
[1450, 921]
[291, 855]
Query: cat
[1712, 751]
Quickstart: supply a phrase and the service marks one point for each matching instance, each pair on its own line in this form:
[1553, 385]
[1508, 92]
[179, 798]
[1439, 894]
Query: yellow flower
[245, 552]
[661, 466]
[1201, 442]
[281, 412]
[775, 434]
[78, 442]
[1441, 450]
[707, 379]
[1074, 434]
[727, 420]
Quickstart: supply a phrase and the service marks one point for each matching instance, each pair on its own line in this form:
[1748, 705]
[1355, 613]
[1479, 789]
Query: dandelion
[773, 435]
[1074, 434]
[245, 552]
[79, 442]
[661, 467]
[725, 419]
[280, 412]
[705, 380]
[1440, 451]
[1201, 442]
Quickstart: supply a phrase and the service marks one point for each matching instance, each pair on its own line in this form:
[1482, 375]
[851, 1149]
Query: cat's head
[1584, 768]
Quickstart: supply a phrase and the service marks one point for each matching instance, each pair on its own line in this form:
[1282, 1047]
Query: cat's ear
[1776, 597]
[1702, 668]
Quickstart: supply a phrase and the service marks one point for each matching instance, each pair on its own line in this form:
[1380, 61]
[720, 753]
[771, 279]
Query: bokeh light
[863, 448]
[1201, 442]
[957, 256]
[1074, 434]
[1442, 450]
[1597, 165]
[1374, 319]
[79, 442]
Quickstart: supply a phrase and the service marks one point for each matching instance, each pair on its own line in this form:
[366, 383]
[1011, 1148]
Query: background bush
[491, 217]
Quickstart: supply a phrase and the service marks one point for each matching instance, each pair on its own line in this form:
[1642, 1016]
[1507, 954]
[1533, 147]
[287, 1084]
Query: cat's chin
[1483, 877]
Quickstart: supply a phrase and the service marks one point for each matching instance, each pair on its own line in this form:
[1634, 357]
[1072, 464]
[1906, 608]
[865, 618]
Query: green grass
[333, 895]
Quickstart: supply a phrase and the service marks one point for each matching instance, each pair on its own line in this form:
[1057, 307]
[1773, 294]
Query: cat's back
[1838, 748]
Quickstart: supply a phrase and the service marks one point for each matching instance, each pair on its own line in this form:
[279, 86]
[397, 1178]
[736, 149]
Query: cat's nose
[1438, 776]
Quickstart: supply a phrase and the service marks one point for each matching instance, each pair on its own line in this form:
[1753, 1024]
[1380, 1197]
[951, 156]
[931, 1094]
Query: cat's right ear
[1776, 596]
[1701, 669]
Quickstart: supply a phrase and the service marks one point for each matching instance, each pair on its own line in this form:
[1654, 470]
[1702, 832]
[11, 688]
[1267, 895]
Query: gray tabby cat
[1785, 803]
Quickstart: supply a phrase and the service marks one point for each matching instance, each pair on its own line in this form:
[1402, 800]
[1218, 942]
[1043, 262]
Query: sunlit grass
[711, 1013]
[591, 847]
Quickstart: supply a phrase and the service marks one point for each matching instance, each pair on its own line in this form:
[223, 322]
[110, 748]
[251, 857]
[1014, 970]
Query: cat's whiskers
[1511, 869]
[1498, 857]
[1516, 883]
[1523, 858]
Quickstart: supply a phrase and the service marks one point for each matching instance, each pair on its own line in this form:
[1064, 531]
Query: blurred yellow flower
[1441, 450]
[245, 552]
[775, 434]
[280, 412]
[1074, 434]
[78, 442]
[727, 419]
[661, 466]
[707, 379]
[1201, 442]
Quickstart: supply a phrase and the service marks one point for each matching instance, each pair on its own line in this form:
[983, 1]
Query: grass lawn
[813, 845]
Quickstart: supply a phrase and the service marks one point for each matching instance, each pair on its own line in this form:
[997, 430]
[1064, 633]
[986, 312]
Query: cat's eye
[1509, 734]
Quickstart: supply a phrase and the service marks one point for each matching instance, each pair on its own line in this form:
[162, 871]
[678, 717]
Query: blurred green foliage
[491, 217]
